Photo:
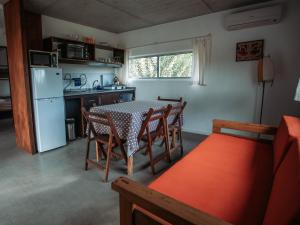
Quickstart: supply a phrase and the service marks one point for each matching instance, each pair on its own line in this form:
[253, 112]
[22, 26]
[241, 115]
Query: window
[161, 66]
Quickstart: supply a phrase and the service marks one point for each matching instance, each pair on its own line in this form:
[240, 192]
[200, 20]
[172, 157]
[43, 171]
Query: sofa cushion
[284, 203]
[289, 129]
[225, 176]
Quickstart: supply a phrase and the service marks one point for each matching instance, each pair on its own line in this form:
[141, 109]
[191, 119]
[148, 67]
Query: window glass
[161, 66]
[179, 65]
[143, 67]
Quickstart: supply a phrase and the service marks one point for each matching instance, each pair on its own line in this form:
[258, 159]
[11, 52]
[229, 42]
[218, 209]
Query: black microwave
[43, 59]
[74, 51]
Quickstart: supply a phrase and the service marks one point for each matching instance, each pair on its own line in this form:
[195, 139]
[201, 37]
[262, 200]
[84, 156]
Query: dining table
[128, 118]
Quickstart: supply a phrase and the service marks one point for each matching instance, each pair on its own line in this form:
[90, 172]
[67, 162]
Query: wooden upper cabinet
[33, 30]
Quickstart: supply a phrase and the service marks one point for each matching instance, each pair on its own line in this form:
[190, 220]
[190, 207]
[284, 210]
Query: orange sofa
[227, 179]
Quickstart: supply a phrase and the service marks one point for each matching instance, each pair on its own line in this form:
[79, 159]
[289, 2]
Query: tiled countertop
[93, 92]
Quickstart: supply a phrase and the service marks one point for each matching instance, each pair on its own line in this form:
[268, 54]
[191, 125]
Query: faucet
[67, 77]
[83, 80]
[95, 81]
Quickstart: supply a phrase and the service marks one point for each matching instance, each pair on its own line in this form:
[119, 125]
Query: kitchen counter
[95, 92]
[75, 100]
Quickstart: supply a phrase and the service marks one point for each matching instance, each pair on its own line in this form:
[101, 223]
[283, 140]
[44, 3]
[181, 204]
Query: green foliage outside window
[163, 66]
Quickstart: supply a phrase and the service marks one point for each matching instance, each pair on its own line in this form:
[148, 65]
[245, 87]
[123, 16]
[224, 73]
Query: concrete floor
[52, 188]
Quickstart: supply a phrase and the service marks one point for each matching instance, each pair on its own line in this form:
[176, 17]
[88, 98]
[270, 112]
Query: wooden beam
[19, 77]
[160, 205]
[33, 30]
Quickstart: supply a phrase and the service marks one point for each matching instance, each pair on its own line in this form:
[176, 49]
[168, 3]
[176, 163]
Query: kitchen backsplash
[91, 74]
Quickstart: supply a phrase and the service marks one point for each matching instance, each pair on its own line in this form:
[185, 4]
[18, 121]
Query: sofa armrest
[159, 205]
[248, 127]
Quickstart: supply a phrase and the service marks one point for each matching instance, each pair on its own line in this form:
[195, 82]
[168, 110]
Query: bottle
[116, 81]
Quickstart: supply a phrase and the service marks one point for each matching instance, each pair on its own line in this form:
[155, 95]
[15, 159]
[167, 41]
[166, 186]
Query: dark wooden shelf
[117, 52]
[105, 47]
[89, 63]
[103, 64]
[52, 43]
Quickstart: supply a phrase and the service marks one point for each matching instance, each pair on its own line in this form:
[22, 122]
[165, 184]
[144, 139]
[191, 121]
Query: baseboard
[196, 131]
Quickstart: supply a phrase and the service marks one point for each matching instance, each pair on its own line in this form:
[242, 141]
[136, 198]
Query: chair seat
[225, 176]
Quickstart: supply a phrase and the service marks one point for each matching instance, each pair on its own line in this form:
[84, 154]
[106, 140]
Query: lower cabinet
[90, 101]
[109, 98]
[73, 110]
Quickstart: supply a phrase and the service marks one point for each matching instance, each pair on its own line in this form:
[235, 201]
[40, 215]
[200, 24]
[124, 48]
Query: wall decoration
[250, 50]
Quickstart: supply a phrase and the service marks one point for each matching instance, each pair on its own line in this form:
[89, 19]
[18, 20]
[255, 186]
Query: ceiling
[124, 15]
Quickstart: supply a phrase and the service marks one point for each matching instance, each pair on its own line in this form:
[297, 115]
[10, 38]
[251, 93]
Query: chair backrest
[170, 99]
[176, 113]
[103, 119]
[158, 116]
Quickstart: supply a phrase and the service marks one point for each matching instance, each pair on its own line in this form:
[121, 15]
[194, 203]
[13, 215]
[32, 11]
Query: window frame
[158, 66]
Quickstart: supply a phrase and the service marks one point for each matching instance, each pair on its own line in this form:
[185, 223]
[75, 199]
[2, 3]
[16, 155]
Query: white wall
[60, 28]
[92, 74]
[232, 91]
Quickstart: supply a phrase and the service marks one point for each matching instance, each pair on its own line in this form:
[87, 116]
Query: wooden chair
[175, 127]
[111, 140]
[170, 99]
[149, 136]
[87, 104]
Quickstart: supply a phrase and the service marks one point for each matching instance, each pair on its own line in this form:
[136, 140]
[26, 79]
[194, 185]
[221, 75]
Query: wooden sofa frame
[132, 194]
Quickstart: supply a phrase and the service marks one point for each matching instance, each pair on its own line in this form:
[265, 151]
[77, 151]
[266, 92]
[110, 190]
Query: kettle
[116, 81]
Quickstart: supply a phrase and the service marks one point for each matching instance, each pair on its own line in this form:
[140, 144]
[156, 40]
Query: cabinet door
[109, 98]
[90, 101]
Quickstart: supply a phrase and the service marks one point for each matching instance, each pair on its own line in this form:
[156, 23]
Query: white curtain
[201, 58]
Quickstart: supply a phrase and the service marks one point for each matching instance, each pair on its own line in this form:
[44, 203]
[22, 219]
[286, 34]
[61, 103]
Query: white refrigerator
[49, 108]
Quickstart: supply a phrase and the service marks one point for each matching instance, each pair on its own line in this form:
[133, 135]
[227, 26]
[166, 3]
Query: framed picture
[250, 50]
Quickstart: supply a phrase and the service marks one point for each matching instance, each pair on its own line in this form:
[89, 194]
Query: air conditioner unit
[253, 18]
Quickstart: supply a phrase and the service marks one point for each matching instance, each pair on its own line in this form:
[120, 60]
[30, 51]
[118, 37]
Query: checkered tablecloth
[128, 118]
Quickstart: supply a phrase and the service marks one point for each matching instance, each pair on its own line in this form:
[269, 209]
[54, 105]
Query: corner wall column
[19, 75]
